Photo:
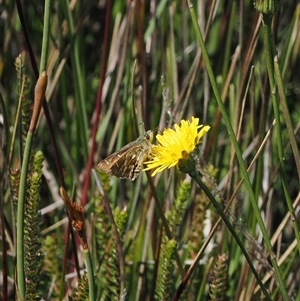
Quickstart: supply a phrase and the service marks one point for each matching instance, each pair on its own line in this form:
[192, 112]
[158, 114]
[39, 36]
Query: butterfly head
[148, 135]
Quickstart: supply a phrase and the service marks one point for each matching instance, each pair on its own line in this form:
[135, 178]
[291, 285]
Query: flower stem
[230, 227]
[237, 148]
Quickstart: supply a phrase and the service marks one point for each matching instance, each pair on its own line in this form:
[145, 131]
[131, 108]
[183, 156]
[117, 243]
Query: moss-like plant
[32, 220]
[165, 285]
[218, 281]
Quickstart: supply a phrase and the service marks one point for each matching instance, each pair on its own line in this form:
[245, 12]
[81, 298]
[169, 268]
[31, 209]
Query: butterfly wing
[126, 163]
[134, 158]
[113, 159]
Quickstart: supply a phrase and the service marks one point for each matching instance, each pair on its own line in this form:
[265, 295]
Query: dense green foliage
[116, 69]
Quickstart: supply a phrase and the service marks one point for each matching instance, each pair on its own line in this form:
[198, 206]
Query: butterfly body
[127, 162]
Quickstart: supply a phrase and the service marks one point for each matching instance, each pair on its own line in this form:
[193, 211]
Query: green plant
[114, 70]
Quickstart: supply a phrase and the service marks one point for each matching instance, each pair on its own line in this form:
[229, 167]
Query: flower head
[175, 145]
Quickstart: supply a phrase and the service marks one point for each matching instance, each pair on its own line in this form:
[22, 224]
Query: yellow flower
[175, 145]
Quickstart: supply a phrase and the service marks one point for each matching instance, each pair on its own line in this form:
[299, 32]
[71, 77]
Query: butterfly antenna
[156, 130]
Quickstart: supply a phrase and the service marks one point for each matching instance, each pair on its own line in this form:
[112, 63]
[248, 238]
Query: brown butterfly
[127, 162]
